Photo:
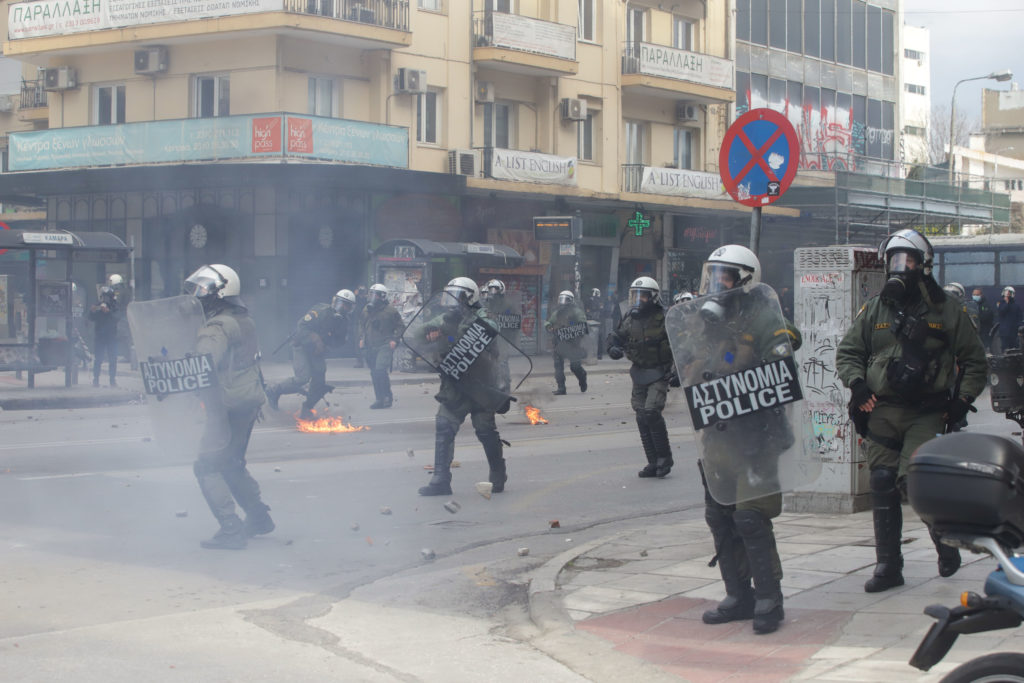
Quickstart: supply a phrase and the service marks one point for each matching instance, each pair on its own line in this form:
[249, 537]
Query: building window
[844, 31]
[682, 33]
[682, 148]
[859, 27]
[427, 115]
[915, 89]
[506, 6]
[322, 7]
[321, 97]
[915, 130]
[212, 96]
[759, 22]
[109, 108]
[777, 24]
[636, 25]
[812, 27]
[636, 143]
[499, 124]
[585, 20]
[913, 54]
[585, 138]
[794, 25]
[432, 5]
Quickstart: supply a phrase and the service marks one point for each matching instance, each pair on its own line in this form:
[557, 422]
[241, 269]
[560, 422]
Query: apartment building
[916, 98]
[307, 142]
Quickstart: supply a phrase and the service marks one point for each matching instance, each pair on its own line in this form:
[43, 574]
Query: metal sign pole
[755, 230]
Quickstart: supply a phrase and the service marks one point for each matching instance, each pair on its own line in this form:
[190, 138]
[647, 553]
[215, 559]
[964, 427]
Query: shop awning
[63, 239]
[494, 255]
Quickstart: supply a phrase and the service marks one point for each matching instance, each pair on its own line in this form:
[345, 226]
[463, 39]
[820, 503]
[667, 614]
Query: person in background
[567, 325]
[1009, 318]
[986, 316]
[382, 328]
[104, 319]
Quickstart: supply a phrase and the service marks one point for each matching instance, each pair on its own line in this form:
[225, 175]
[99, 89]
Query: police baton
[290, 337]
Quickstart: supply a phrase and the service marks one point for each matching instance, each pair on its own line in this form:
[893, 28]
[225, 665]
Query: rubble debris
[554, 524]
[181, 513]
[484, 488]
[452, 506]
[385, 510]
[523, 552]
[355, 526]
[427, 554]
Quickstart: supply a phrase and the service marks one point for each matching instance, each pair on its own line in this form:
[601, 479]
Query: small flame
[327, 425]
[534, 416]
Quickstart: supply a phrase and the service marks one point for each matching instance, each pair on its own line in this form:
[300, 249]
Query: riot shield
[467, 349]
[181, 387]
[739, 375]
[569, 340]
[506, 311]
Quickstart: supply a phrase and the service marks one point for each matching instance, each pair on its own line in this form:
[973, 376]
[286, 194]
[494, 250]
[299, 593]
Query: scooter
[969, 488]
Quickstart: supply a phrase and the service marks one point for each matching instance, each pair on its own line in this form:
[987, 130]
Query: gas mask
[902, 277]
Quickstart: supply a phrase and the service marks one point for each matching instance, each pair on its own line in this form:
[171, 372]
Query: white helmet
[462, 290]
[956, 289]
[1010, 290]
[378, 293]
[734, 262]
[644, 292]
[115, 280]
[344, 296]
[566, 297]
[595, 293]
[495, 287]
[894, 248]
[215, 280]
[682, 296]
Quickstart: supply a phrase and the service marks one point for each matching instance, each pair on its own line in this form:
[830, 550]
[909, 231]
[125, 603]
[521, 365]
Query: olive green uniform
[910, 406]
[381, 326]
[320, 327]
[642, 337]
[229, 336]
[569, 349]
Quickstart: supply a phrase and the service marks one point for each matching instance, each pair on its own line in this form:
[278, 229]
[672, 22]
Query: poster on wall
[53, 299]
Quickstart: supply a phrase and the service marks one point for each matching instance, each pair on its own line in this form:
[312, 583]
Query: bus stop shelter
[36, 313]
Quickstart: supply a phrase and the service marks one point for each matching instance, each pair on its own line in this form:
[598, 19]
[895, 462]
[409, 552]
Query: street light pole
[1004, 75]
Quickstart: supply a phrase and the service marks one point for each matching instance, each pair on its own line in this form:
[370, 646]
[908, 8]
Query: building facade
[916, 98]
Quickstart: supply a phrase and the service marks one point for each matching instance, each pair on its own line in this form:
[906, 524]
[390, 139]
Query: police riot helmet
[214, 281]
[595, 293]
[378, 294]
[644, 292]
[344, 300]
[115, 280]
[906, 251]
[1010, 290]
[682, 296]
[495, 287]
[733, 264]
[462, 290]
[566, 297]
[956, 290]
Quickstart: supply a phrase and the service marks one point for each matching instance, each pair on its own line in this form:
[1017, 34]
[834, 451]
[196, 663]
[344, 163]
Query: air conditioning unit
[411, 80]
[464, 162]
[484, 91]
[687, 112]
[151, 60]
[574, 109]
[61, 78]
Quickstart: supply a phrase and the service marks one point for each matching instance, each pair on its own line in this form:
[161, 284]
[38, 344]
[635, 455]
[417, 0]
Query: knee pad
[882, 479]
[653, 418]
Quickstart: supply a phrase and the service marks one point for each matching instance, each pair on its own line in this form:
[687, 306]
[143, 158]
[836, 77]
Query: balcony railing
[386, 13]
[524, 34]
[632, 177]
[32, 95]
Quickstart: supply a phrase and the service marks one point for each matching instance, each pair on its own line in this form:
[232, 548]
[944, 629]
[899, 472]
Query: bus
[990, 262]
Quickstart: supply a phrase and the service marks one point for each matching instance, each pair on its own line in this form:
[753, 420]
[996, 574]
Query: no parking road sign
[759, 156]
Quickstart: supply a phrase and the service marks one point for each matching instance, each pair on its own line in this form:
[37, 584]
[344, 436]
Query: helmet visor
[565, 299]
[341, 305]
[640, 297]
[718, 277]
[901, 262]
[453, 296]
[201, 286]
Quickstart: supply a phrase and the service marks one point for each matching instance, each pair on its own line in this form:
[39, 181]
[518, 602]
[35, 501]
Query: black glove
[860, 394]
[957, 409]
[615, 352]
[673, 379]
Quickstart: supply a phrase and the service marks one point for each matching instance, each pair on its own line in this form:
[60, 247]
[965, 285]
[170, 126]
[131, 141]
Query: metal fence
[32, 94]
[386, 13]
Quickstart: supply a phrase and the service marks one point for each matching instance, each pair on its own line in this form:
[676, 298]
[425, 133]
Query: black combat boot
[949, 557]
[888, 518]
[495, 461]
[765, 568]
[581, 377]
[444, 451]
[647, 440]
[731, 556]
[560, 391]
[378, 391]
[257, 521]
[231, 535]
[272, 396]
[662, 448]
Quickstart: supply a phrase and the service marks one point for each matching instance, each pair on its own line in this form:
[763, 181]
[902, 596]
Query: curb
[62, 402]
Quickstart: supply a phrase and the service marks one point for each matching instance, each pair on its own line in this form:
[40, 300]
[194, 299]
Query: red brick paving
[671, 635]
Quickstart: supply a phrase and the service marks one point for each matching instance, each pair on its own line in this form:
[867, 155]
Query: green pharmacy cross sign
[638, 222]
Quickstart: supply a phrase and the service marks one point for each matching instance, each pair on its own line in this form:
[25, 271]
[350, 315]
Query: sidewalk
[50, 393]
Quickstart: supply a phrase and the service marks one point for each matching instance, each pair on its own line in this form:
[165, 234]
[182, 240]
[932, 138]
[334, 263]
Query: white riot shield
[181, 386]
[739, 375]
[468, 349]
[569, 340]
[506, 311]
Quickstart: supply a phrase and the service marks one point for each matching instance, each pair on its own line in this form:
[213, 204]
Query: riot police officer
[462, 298]
[743, 332]
[104, 319]
[229, 336]
[641, 337]
[568, 324]
[381, 328]
[682, 296]
[323, 326]
[899, 359]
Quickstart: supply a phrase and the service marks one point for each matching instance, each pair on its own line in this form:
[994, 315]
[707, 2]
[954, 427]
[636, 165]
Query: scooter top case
[970, 483]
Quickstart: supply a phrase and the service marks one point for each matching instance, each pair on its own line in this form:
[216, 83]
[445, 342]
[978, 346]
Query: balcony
[509, 42]
[262, 138]
[672, 182]
[666, 72]
[366, 24]
[33, 106]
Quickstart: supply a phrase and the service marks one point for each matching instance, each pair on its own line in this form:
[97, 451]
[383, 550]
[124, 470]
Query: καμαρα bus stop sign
[759, 156]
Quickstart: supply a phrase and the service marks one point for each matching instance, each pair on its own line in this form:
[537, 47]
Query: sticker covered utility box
[830, 286]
